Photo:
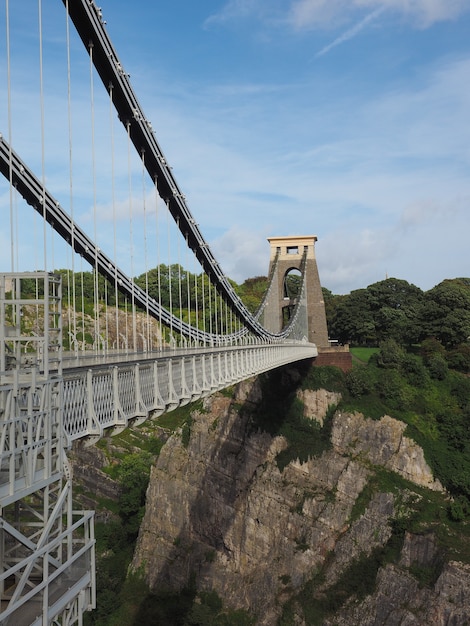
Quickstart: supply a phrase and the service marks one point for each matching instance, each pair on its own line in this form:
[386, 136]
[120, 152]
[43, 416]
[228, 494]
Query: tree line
[394, 309]
[391, 309]
[171, 285]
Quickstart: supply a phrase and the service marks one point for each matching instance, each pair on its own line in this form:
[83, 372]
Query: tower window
[292, 249]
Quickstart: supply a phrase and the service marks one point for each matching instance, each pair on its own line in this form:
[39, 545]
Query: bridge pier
[287, 254]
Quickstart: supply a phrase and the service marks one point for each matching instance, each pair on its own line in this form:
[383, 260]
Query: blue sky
[344, 119]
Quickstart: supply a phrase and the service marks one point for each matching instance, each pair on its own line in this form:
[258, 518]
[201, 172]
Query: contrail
[352, 32]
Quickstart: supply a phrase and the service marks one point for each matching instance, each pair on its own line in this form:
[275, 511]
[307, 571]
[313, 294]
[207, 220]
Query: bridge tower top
[292, 247]
[289, 252]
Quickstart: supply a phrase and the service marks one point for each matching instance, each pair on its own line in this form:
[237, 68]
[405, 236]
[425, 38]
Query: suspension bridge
[100, 345]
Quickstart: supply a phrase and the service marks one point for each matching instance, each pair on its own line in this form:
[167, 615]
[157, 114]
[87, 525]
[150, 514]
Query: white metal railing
[110, 396]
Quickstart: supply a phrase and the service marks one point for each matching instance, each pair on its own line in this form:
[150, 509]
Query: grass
[363, 354]
[176, 418]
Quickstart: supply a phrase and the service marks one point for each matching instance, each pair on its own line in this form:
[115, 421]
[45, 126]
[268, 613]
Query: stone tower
[291, 250]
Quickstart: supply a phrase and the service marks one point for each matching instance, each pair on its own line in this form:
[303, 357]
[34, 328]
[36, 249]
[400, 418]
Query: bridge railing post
[94, 427]
[158, 402]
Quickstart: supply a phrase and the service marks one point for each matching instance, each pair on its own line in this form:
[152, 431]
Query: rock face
[316, 403]
[398, 599]
[87, 464]
[221, 509]
[383, 443]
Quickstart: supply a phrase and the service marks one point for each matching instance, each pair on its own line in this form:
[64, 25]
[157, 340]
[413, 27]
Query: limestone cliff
[399, 599]
[221, 509]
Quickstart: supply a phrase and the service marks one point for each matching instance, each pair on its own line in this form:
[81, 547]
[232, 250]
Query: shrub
[186, 432]
[133, 474]
[461, 391]
[326, 377]
[414, 371]
[437, 366]
[390, 387]
[431, 347]
[390, 355]
[459, 358]
[459, 509]
[359, 381]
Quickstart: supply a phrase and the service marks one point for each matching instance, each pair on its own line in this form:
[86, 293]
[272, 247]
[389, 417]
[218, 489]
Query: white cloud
[424, 244]
[356, 257]
[424, 13]
[307, 14]
[320, 14]
[317, 13]
[242, 253]
[380, 175]
[425, 210]
[239, 9]
[374, 178]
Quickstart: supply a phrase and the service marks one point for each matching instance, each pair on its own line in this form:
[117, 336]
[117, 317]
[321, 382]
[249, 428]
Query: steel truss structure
[46, 547]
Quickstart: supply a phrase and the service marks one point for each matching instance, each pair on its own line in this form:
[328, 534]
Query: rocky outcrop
[400, 600]
[316, 403]
[383, 443]
[87, 464]
[222, 510]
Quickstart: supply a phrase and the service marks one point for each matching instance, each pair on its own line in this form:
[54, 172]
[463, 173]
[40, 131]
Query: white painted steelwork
[101, 397]
[46, 548]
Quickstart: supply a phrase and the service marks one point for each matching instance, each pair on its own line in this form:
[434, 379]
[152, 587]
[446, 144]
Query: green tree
[414, 371]
[429, 348]
[395, 306]
[459, 357]
[438, 367]
[252, 291]
[389, 309]
[359, 381]
[133, 474]
[353, 320]
[445, 312]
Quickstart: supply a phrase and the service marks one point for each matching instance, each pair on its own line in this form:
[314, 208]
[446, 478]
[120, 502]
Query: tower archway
[292, 287]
